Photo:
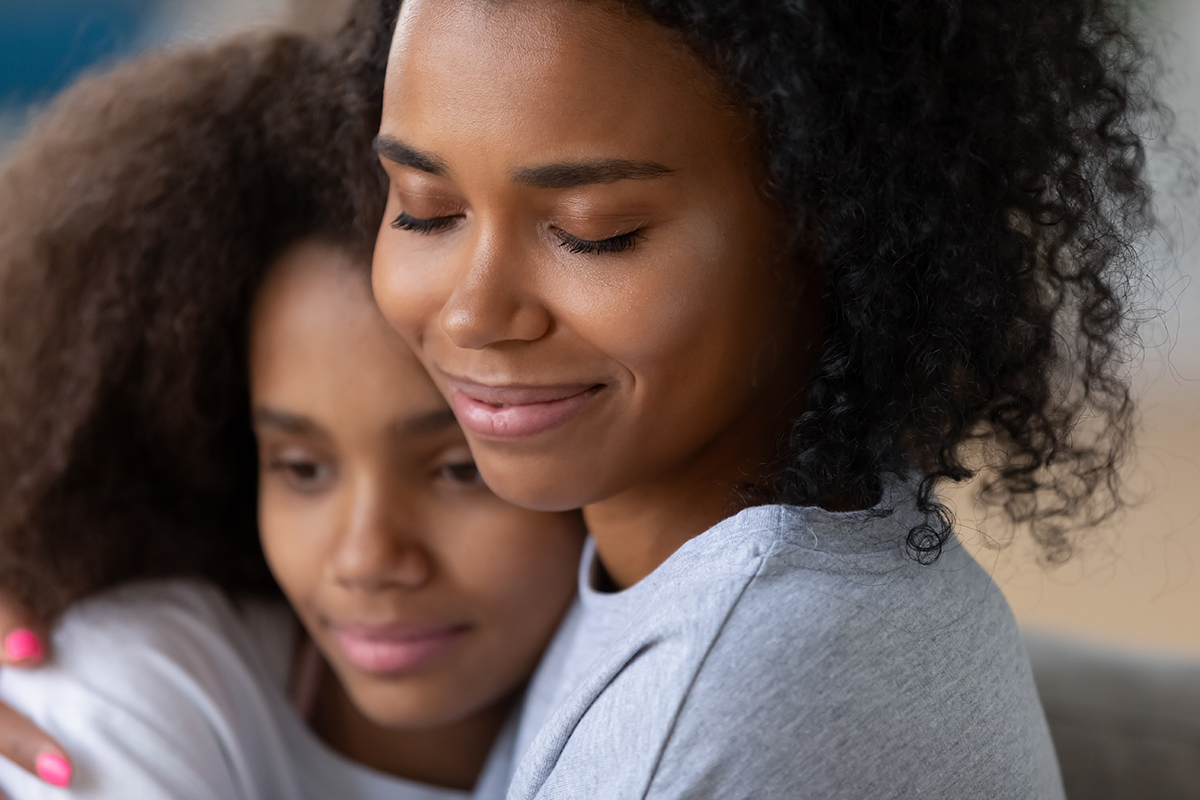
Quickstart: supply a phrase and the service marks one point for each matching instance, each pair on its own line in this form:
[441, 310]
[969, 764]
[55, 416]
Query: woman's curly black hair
[137, 219]
[967, 177]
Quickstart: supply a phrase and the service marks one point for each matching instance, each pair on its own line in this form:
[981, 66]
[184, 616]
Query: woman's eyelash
[613, 244]
[407, 222]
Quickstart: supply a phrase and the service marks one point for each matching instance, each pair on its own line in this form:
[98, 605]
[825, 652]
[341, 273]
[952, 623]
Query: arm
[21, 741]
[153, 700]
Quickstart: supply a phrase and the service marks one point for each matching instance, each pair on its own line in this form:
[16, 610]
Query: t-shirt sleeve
[150, 696]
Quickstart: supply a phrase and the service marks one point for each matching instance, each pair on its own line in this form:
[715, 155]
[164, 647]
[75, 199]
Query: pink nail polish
[54, 770]
[22, 645]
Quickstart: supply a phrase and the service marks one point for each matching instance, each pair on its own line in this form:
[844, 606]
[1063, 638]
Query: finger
[32, 749]
[22, 637]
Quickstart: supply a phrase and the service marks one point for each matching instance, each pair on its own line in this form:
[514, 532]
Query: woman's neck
[637, 530]
[452, 756]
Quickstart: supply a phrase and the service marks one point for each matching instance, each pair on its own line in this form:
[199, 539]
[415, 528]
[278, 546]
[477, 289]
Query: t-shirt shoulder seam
[763, 558]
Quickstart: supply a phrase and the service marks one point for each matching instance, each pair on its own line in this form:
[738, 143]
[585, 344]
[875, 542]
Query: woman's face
[577, 248]
[431, 598]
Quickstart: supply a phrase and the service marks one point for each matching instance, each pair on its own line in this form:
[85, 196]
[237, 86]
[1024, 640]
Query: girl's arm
[22, 742]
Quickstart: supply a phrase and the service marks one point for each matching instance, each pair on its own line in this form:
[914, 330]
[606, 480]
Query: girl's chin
[402, 709]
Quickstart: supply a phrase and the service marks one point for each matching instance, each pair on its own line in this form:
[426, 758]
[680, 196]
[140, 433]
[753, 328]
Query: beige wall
[1137, 583]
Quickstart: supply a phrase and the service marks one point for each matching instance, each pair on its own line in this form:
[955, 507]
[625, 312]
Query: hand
[21, 741]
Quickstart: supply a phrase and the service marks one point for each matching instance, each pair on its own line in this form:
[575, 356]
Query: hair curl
[137, 218]
[966, 177]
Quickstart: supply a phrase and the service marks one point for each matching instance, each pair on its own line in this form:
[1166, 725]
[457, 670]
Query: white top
[790, 653]
[167, 690]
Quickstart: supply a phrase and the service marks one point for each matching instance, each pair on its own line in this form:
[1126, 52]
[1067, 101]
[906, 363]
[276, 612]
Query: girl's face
[577, 249]
[431, 598]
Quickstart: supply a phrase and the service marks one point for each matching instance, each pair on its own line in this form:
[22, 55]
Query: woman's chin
[530, 483]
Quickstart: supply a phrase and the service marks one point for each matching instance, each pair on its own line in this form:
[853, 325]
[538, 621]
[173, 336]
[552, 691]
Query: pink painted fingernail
[22, 645]
[54, 770]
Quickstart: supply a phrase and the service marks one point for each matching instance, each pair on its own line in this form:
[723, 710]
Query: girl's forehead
[316, 325]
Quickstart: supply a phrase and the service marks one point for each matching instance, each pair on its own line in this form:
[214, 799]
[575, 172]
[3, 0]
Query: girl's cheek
[292, 548]
[526, 555]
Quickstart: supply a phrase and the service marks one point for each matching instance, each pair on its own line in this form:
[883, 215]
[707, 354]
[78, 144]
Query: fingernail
[54, 770]
[22, 645]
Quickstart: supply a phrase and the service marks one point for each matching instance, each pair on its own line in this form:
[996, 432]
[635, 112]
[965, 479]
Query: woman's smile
[513, 411]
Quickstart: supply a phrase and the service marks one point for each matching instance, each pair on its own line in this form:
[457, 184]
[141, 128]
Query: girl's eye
[303, 475]
[464, 473]
[613, 244]
[407, 222]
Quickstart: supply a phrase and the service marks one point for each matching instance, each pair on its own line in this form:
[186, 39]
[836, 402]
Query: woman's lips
[515, 411]
[395, 648]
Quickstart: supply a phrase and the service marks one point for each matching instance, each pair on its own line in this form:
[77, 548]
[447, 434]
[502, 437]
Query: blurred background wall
[1135, 583]
[44, 44]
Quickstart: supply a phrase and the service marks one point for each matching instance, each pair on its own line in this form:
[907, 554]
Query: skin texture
[672, 329]
[372, 513]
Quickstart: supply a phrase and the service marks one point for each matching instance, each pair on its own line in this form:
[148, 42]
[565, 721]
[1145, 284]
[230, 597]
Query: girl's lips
[517, 411]
[395, 648]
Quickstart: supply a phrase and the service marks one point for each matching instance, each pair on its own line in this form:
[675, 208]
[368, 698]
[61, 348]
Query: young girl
[199, 232]
[747, 281]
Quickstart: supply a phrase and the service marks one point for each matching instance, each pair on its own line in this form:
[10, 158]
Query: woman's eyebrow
[547, 176]
[583, 173]
[398, 152]
[285, 421]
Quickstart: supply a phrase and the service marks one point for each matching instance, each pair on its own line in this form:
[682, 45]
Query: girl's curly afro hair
[967, 178]
[137, 219]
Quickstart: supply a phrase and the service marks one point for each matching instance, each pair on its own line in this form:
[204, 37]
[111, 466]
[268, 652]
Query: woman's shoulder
[849, 669]
[794, 557]
[842, 586]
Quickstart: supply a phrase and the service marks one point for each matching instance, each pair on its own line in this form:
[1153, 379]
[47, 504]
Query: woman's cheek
[407, 286]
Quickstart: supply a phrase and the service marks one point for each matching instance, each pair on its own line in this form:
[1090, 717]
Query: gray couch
[1126, 724]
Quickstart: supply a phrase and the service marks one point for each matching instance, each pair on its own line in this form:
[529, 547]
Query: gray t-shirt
[790, 652]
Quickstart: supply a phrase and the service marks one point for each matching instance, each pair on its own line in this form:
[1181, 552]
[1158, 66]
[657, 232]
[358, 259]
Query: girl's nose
[495, 300]
[377, 550]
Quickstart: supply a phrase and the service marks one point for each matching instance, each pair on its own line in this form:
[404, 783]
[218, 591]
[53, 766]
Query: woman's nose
[378, 548]
[495, 299]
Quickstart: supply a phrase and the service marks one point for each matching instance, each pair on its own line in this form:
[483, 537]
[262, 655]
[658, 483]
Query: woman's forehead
[551, 81]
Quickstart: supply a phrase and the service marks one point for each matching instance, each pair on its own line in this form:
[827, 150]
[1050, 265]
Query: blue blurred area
[45, 44]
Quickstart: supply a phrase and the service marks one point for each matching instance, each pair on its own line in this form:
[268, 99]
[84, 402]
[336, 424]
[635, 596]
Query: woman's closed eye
[613, 244]
[407, 222]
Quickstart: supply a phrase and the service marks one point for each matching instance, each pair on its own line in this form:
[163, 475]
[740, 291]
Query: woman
[746, 282]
